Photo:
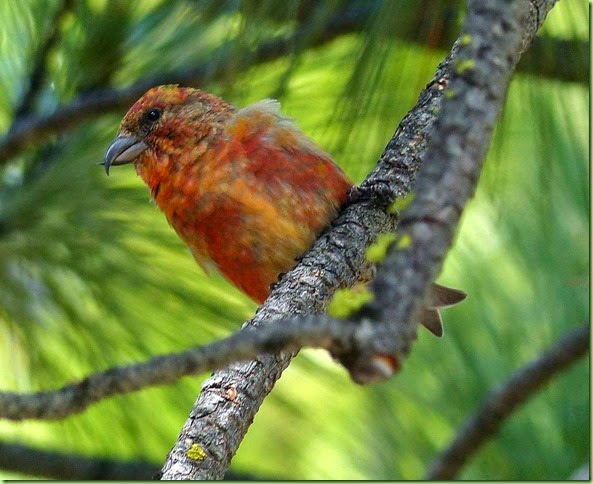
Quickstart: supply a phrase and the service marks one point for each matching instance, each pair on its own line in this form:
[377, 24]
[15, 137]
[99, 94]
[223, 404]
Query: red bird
[245, 189]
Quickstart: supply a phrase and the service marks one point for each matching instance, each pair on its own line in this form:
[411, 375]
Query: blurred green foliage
[91, 276]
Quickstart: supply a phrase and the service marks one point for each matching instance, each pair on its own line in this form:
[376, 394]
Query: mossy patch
[347, 301]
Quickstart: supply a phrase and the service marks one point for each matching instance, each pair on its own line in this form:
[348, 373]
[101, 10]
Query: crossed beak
[123, 149]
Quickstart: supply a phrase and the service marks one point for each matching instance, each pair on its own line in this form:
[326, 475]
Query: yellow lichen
[450, 93]
[195, 452]
[404, 241]
[347, 301]
[377, 251]
[400, 203]
[464, 65]
[465, 39]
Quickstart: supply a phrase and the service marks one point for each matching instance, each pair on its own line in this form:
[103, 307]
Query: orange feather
[245, 189]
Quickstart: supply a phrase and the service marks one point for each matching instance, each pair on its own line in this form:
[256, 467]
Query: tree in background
[93, 277]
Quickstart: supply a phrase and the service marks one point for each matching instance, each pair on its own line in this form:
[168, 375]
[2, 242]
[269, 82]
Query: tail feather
[431, 320]
[440, 297]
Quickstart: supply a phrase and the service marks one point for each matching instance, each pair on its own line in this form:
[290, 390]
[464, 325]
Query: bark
[231, 397]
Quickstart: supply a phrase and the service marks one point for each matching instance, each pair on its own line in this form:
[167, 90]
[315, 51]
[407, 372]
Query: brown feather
[431, 320]
[440, 297]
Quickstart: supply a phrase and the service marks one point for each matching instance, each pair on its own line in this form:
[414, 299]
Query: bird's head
[162, 122]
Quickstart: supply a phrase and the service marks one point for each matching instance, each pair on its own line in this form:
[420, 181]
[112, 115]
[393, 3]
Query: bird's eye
[153, 115]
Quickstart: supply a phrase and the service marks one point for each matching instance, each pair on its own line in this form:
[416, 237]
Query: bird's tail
[440, 297]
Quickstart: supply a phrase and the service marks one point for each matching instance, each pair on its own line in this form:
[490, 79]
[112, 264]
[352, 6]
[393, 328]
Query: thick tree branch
[217, 424]
[502, 402]
[493, 38]
[231, 397]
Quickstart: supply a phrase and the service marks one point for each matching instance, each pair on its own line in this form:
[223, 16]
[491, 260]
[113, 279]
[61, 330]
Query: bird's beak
[124, 149]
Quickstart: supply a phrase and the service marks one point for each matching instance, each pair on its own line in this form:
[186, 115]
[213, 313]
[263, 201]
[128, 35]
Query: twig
[26, 130]
[74, 467]
[502, 402]
[289, 335]
[31, 129]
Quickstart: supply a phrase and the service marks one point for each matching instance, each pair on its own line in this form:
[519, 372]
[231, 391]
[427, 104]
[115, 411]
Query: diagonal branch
[318, 331]
[217, 423]
[502, 402]
[494, 36]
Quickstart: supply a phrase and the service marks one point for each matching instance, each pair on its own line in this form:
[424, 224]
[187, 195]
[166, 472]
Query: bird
[245, 189]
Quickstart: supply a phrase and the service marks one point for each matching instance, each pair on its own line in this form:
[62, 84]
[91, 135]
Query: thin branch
[570, 64]
[502, 402]
[290, 335]
[72, 467]
[54, 465]
[32, 129]
[562, 59]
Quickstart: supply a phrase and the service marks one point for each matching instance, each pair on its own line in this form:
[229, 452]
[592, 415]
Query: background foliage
[91, 276]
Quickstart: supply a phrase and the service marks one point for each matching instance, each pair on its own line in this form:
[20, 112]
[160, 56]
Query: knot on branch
[376, 349]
